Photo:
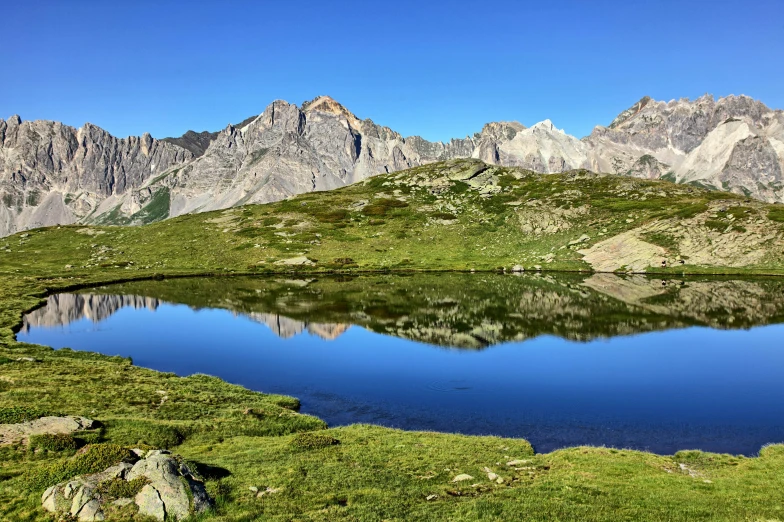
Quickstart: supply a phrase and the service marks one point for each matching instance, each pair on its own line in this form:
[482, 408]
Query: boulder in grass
[160, 486]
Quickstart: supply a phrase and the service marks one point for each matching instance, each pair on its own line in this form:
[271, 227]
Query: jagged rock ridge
[54, 174]
[51, 173]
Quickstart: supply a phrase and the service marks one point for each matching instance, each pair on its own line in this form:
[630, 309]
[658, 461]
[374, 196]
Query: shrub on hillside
[53, 442]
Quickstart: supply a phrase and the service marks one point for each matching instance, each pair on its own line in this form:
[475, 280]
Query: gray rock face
[52, 174]
[753, 160]
[198, 142]
[735, 143]
[172, 491]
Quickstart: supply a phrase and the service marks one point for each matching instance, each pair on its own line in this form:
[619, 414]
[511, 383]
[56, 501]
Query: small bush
[17, 414]
[381, 206]
[374, 210]
[118, 488]
[143, 432]
[628, 205]
[443, 215]
[53, 442]
[343, 261]
[661, 239]
[689, 211]
[310, 441]
[776, 214]
[90, 459]
[5, 360]
[333, 216]
[715, 224]
[739, 212]
[289, 403]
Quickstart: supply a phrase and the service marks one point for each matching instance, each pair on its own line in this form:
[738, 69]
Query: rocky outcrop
[52, 174]
[198, 142]
[167, 490]
[21, 432]
[734, 143]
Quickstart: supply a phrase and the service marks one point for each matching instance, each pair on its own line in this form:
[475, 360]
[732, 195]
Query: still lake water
[560, 360]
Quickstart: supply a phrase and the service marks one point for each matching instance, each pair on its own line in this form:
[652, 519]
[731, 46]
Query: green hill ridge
[455, 215]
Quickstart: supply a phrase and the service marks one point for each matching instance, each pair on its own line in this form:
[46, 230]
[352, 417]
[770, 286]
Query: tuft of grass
[311, 441]
[53, 442]
[381, 206]
[17, 414]
[118, 488]
[332, 216]
[662, 239]
[776, 214]
[443, 215]
[716, 224]
[691, 210]
[90, 459]
[143, 433]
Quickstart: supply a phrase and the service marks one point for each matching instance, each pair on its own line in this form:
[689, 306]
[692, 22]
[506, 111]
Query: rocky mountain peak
[502, 130]
[331, 106]
[548, 126]
[630, 112]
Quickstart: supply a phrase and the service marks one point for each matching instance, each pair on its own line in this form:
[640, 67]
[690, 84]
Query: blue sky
[437, 69]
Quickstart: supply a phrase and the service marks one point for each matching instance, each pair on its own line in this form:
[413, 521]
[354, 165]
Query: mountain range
[53, 174]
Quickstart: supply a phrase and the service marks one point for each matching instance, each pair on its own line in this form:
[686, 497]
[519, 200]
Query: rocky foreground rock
[21, 432]
[167, 490]
[54, 174]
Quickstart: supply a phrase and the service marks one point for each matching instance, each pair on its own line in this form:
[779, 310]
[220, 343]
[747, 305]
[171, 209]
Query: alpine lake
[558, 359]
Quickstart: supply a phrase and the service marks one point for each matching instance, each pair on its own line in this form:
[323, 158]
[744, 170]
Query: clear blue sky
[437, 69]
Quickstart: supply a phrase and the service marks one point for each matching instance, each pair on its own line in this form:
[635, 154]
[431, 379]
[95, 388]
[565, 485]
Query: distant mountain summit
[51, 173]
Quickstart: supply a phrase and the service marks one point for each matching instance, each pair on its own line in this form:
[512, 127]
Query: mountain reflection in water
[560, 359]
[452, 310]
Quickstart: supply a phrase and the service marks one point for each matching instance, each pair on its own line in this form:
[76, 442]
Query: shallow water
[559, 360]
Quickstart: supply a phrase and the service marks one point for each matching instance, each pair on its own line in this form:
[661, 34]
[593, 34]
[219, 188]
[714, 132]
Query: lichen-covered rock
[150, 503]
[169, 489]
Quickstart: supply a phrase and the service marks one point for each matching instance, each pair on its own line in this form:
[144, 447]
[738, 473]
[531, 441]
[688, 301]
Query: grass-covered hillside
[457, 215]
[460, 214]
